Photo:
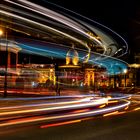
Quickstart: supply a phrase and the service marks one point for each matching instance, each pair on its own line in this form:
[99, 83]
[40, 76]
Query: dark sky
[116, 14]
[122, 16]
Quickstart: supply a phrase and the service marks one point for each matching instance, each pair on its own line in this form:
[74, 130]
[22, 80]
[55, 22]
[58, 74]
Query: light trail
[66, 116]
[76, 109]
[93, 22]
[75, 25]
[56, 16]
[46, 104]
[109, 114]
[35, 19]
[39, 24]
[135, 109]
[121, 97]
[59, 124]
[95, 96]
[57, 108]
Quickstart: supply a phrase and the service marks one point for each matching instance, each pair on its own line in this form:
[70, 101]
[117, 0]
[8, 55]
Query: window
[2, 58]
[13, 60]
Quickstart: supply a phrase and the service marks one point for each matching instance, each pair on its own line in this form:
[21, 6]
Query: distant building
[73, 73]
[134, 74]
[11, 58]
[37, 75]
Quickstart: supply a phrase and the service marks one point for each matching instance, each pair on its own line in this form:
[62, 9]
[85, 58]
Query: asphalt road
[119, 127]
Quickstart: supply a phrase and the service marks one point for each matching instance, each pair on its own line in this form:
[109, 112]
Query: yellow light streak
[101, 106]
[109, 114]
[109, 97]
[126, 108]
[138, 108]
[113, 101]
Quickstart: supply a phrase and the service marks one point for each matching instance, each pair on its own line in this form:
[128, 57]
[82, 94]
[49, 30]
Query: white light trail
[56, 108]
[68, 116]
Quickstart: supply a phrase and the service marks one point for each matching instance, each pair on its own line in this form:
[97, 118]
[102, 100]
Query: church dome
[72, 57]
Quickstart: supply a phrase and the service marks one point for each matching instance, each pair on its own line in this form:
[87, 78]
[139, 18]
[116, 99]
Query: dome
[72, 57]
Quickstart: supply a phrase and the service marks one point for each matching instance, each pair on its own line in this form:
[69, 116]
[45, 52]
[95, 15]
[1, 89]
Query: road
[125, 126]
[118, 125]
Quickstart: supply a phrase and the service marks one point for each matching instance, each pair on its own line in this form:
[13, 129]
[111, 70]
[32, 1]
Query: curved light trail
[87, 106]
[54, 107]
[70, 28]
[67, 116]
[51, 34]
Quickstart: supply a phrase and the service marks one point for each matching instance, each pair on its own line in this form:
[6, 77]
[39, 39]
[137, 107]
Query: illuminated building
[11, 60]
[74, 73]
[71, 74]
[89, 77]
[135, 74]
[13, 50]
[37, 75]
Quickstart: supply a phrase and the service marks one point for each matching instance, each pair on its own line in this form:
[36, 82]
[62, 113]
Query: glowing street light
[5, 79]
[1, 32]
[125, 71]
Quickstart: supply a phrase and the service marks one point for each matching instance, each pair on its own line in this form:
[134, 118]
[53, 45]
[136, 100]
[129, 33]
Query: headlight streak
[58, 17]
[85, 102]
[122, 97]
[57, 108]
[14, 28]
[93, 21]
[74, 25]
[94, 96]
[39, 24]
[50, 107]
[31, 4]
[65, 33]
[135, 109]
[49, 97]
[101, 106]
[126, 108]
[66, 116]
[47, 104]
[109, 114]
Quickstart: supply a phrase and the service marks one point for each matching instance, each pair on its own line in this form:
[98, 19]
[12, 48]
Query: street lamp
[6, 50]
[6, 63]
[1, 32]
[125, 71]
[57, 79]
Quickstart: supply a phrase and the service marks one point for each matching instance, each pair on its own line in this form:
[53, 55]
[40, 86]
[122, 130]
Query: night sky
[122, 16]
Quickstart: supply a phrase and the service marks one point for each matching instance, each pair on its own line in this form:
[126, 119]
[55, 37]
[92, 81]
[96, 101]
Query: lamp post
[6, 51]
[57, 83]
[6, 66]
[1, 32]
[125, 71]
[114, 75]
[6, 63]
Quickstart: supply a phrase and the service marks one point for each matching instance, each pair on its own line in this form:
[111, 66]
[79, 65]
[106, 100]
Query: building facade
[8, 62]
